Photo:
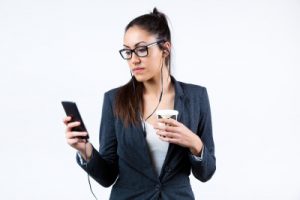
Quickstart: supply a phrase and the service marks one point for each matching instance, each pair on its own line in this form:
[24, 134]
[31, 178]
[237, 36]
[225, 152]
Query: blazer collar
[178, 88]
[179, 98]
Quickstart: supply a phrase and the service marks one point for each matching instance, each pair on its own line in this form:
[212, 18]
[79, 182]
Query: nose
[135, 59]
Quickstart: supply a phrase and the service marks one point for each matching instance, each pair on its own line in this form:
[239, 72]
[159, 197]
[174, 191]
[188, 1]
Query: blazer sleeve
[103, 165]
[205, 168]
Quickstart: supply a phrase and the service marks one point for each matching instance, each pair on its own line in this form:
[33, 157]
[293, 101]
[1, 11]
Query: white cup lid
[166, 113]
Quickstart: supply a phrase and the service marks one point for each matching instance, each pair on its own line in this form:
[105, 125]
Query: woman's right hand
[73, 139]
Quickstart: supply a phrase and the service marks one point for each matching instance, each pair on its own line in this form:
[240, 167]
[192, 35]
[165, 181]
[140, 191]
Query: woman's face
[143, 68]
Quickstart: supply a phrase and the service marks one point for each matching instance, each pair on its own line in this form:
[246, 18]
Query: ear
[166, 52]
[167, 47]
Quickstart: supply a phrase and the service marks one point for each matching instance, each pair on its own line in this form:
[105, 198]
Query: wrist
[197, 146]
[86, 153]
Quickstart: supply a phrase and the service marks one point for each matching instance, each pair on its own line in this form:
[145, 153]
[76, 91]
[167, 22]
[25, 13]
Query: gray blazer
[124, 160]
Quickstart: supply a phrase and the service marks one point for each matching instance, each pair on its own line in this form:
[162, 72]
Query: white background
[245, 52]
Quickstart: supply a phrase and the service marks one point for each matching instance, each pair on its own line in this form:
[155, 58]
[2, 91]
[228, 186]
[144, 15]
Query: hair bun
[156, 13]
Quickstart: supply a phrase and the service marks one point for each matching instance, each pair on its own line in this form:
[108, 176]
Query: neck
[154, 86]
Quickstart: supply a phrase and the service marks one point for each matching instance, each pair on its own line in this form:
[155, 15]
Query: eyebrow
[135, 44]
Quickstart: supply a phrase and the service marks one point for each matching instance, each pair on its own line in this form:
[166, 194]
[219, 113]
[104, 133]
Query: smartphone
[71, 110]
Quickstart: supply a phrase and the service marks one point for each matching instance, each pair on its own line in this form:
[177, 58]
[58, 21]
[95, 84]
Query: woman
[142, 156]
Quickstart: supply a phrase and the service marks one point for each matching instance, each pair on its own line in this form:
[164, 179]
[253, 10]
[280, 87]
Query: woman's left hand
[172, 131]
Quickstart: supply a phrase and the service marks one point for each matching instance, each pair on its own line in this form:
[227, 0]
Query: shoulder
[189, 89]
[192, 87]
[195, 96]
[110, 95]
[112, 92]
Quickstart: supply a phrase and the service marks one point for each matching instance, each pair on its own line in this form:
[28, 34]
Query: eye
[127, 51]
[141, 50]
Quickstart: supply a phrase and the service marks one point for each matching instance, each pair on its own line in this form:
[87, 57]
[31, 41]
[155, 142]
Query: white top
[158, 148]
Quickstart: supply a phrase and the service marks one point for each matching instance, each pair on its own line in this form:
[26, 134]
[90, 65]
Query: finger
[169, 121]
[159, 126]
[163, 127]
[66, 120]
[75, 140]
[73, 124]
[174, 129]
[82, 140]
[72, 141]
[161, 133]
[167, 134]
[75, 134]
[169, 140]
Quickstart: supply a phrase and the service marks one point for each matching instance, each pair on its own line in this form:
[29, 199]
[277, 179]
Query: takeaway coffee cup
[166, 114]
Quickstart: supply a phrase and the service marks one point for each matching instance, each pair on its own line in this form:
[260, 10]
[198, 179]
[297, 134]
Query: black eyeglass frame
[143, 46]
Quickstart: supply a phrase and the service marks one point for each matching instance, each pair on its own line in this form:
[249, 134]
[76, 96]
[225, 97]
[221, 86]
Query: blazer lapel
[173, 155]
[135, 151]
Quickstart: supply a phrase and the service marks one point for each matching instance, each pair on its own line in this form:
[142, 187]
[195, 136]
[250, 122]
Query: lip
[138, 69]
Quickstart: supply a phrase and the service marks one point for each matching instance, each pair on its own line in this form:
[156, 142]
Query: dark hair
[129, 98]
[155, 23]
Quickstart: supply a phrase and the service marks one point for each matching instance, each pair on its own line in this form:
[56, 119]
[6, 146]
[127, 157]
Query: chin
[140, 78]
[143, 77]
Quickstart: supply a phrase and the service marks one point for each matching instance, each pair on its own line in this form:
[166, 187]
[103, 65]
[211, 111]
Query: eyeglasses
[140, 51]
